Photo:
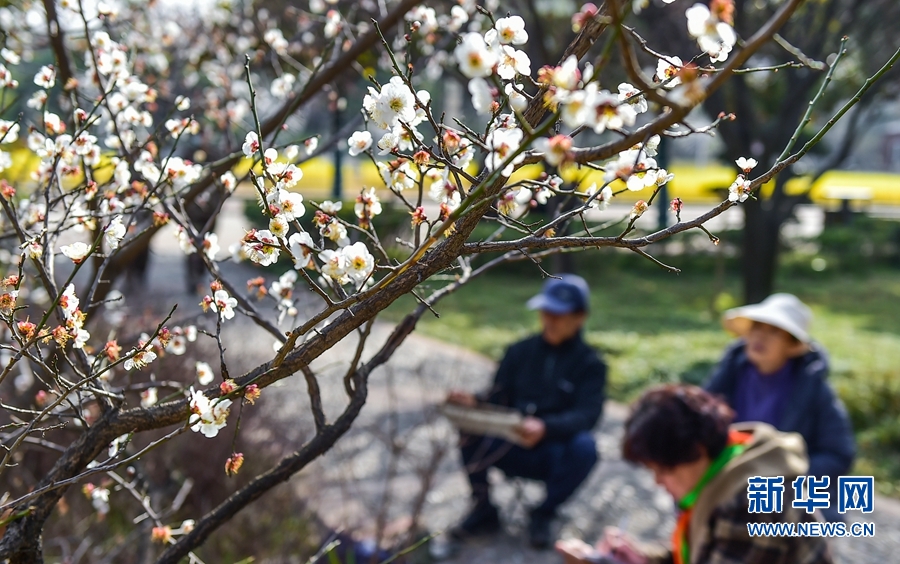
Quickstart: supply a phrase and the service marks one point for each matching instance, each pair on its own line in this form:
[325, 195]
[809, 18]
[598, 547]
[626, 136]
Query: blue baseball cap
[566, 294]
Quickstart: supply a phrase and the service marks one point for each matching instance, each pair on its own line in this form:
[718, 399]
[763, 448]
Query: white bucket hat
[784, 311]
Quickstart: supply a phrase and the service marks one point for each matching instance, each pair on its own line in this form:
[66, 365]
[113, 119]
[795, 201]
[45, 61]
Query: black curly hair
[675, 424]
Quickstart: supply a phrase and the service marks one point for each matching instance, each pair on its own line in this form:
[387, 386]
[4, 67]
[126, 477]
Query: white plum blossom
[632, 166]
[81, 338]
[602, 200]
[282, 86]
[10, 56]
[149, 397]
[424, 18]
[482, 97]
[114, 232]
[223, 304]
[714, 36]
[395, 103]
[279, 226]
[474, 56]
[367, 205]
[77, 251]
[9, 131]
[630, 95]
[739, 190]
[359, 262]
[140, 357]
[276, 41]
[608, 113]
[210, 245]
[555, 149]
[208, 416]
[261, 247]
[229, 182]
[658, 177]
[502, 143]
[287, 204]
[334, 265]
[335, 231]
[332, 24]
[251, 144]
[667, 69]
[117, 444]
[359, 142]
[512, 62]
[458, 18]
[331, 208]
[100, 500]
[301, 246]
[46, 77]
[204, 373]
[517, 101]
[445, 192]
[398, 176]
[69, 301]
[389, 142]
[511, 30]
[746, 164]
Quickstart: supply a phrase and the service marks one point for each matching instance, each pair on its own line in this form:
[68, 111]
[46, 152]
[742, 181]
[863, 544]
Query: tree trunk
[762, 238]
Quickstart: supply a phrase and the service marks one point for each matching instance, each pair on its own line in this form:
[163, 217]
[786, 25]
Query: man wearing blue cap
[557, 381]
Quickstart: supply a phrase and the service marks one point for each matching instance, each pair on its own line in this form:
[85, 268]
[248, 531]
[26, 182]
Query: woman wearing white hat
[775, 373]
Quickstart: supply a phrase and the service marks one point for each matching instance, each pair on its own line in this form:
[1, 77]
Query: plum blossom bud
[421, 157]
[7, 190]
[676, 206]
[112, 350]
[418, 216]
[252, 393]
[215, 285]
[160, 219]
[723, 10]
[580, 19]
[234, 463]
[227, 386]
[162, 535]
[27, 329]
[34, 250]
[451, 139]
[639, 208]
[164, 336]
[149, 397]
[258, 286]
[40, 398]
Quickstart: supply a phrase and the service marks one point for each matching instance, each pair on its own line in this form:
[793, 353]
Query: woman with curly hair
[684, 436]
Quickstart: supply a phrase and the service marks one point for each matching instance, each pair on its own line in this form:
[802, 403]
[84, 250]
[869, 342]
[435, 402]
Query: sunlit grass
[656, 327]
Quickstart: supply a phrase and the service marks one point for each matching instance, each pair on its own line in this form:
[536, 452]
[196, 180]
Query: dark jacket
[814, 411]
[564, 386]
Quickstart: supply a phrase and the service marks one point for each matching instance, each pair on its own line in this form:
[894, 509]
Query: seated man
[557, 381]
[777, 375]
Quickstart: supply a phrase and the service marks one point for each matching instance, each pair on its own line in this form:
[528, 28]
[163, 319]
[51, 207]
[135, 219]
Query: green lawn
[652, 326]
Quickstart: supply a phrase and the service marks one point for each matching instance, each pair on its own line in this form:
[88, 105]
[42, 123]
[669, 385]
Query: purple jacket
[814, 410]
